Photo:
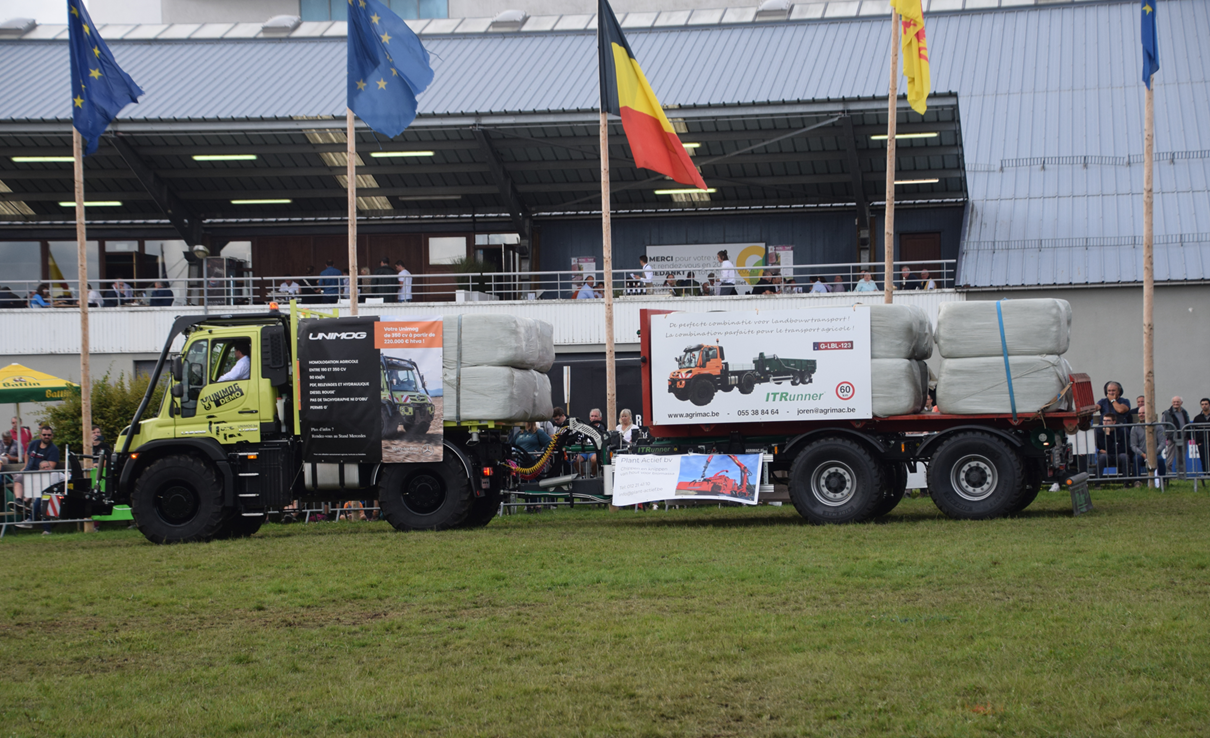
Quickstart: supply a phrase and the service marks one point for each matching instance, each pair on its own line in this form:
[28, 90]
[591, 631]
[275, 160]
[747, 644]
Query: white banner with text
[726, 477]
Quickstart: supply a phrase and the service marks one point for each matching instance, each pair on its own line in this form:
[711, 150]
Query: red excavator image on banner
[729, 478]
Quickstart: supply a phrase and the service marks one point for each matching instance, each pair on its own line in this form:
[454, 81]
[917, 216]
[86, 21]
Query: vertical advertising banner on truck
[370, 389]
[761, 366]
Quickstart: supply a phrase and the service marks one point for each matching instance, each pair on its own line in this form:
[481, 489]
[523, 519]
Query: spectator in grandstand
[404, 279]
[1113, 403]
[766, 285]
[1111, 448]
[710, 287]
[727, 276]
[124, 292]
[8, 449]
[329, 282]
[866, 284]
[790, 287]
[669, 286]
[646, 278]
[161, 296]
[42, 455]
[587, 290]
[819, 287]
[289, 288]
[94, 298]
[625, 425]
[837, 284]
[1138, 441]
[905, 281]
[926, 282]
[690, 287]
[41, 297]
[385, 281]
[1176, 418]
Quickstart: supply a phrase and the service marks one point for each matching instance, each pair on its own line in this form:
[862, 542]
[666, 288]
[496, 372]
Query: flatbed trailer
[839, 471]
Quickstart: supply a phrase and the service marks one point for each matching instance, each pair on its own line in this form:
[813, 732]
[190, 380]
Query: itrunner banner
[761, 365]
[370, 389]
[727, 477]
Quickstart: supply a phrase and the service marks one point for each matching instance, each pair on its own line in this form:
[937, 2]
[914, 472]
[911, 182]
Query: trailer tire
[701, 391]
[835, 481]
[894, 485]
[425, 496]
[975, 476]
[239, 526]
[747, 383]
[483, 510]
[1035, 472]
[178, 499]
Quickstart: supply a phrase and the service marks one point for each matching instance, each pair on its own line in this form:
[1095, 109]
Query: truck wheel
[178, 499]
[680, 394]
[701, 391]
[239, 526]
[835, 481]
[894, 485]
[747, 383]
[1035, 471]
[975, 476]
[425, 496]
[419, 429]
[483, 510]
[389, 428]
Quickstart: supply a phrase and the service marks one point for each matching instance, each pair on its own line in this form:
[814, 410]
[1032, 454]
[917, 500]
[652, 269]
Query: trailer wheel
[1035, 472]
[425, 496]
[747, 383]
[178, 499]
[239, 526]
[483, 510]
[835, 481]
[894, 485]
[701, 391]
[975, 476]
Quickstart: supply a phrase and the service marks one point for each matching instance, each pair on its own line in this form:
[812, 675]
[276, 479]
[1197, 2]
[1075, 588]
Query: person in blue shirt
[41, 455]
[329, 281]
[532, 439]
[41, 298]
[587, 290]
[865, 284]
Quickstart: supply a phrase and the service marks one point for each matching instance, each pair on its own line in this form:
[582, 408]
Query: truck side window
[711, 353]
[230, 359]
[194, 377]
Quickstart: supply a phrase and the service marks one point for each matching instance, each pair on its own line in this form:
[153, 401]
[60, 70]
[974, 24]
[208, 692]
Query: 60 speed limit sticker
[845, 390]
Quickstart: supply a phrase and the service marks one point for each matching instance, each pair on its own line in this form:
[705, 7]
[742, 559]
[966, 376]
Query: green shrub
[114, 403]
[477, 267]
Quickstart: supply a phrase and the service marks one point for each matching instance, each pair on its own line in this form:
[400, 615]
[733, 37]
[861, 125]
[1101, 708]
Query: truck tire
[391, 420]
[239, 526]
[425, 496]
[701, 391]
[483, 510]
[681, 394]
[835, 481]
[1035, 472]
[178, 499]
[747, 383]
[419, 429]
[894, 485]
[975, 476]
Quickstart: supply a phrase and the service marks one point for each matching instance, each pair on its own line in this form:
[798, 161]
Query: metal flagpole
[351, 155]
[1149, 276]
[77, 146]
[888, 245]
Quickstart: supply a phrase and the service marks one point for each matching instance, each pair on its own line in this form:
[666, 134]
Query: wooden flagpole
[611, 377]
[1149, 276]
[888, 245]
[351, 155]
[77, 146]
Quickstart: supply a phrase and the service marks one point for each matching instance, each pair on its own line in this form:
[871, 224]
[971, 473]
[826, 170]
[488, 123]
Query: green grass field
[702, 622]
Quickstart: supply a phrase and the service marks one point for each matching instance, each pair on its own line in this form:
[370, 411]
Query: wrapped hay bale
[897, 387]
[977, 385]
[1031, 327]
[900, 332]
[496, 393]
[498, 340]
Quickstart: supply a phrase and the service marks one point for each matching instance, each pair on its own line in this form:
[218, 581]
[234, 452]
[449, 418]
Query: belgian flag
[626, 93]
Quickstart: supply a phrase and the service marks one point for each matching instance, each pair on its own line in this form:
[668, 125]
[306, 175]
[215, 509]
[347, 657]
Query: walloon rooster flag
[626, 93]
[915, 53]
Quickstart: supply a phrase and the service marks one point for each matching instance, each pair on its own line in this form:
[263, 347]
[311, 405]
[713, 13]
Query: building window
[447, 250]
[324, 10]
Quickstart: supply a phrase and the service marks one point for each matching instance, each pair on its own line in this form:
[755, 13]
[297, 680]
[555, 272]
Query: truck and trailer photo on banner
[370, 390]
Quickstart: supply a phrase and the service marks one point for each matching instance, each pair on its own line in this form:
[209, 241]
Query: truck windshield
[688, 360]
[403, 380]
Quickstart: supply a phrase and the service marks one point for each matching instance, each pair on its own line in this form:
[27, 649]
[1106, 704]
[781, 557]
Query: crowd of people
[117, 293]
[1121, 436]
[390, 283]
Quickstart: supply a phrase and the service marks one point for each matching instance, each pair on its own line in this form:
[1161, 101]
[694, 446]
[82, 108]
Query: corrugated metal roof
[1039, 89]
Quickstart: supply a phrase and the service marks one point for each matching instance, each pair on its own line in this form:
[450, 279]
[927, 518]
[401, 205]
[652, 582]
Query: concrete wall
[1107, 338]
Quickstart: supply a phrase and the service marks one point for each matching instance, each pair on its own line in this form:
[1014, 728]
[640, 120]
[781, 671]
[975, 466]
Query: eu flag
[100, 89]
[1151, 44]
[388, 67]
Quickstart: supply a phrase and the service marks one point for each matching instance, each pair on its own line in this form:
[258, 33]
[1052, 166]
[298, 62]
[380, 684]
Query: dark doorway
[924, 247]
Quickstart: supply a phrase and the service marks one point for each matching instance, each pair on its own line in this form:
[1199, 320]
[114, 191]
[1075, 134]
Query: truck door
[221, 396]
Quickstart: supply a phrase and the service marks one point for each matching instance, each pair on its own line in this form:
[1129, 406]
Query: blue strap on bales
[1012, 399]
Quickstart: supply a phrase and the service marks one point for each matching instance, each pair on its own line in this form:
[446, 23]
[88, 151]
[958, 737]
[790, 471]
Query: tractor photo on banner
[723, 477]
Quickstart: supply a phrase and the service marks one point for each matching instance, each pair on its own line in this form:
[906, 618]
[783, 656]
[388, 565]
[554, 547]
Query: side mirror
[177, 370]
[178, 390]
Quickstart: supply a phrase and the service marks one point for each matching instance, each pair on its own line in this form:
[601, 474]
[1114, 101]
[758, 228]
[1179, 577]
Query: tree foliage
[114, 402]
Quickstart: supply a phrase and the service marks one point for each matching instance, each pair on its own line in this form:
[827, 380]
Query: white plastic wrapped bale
[496, 393]
[1031, 327]
[498, 340]
[977, 385]
[897, 387]
[900, 332]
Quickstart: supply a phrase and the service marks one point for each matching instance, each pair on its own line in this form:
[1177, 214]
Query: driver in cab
[243, 365]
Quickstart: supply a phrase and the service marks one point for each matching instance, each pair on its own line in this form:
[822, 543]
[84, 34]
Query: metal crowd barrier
[1117, 453]
[34, 498]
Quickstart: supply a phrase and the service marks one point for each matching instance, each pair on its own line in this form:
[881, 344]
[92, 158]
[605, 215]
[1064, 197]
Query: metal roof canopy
[519, 167]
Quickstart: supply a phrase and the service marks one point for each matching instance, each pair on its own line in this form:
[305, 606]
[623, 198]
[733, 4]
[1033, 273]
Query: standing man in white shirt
[647, 276]
[405, 281]
[727, 275]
